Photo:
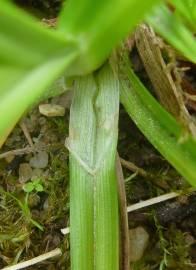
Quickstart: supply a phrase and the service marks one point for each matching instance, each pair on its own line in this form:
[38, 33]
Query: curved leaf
[174, 31]
[98, 26]
[159, 127]
[31, 58]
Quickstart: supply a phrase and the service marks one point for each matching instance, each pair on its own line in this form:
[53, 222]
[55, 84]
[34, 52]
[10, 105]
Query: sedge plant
[33, 57]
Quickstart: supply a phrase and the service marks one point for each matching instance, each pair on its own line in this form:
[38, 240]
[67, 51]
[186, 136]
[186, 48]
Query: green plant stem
[94, 228]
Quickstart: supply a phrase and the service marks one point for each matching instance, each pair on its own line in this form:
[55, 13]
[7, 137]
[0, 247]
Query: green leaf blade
[31, 58]
[160, 128]
[15, 100]
[174, 31]
[98, 26]
[187, 8]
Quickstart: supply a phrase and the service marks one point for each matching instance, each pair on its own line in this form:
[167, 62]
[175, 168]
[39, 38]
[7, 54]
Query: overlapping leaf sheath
[93, 187]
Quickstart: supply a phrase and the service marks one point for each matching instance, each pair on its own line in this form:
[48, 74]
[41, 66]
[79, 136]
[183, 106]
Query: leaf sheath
[93, 186]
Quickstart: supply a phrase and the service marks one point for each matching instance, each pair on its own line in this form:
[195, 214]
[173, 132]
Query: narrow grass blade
[160, 128]
[187, 8]
[93, 185]
[174, 31]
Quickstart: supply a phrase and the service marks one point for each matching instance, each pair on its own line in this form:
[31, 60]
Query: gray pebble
[138, 241]
[40, 160]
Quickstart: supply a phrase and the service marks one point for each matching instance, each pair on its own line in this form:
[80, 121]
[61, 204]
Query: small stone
[51, 110]
[25, 172]
[138, 241]
[40, 160]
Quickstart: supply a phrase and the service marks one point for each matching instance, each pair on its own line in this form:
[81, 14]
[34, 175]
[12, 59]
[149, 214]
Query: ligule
[93, 187]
